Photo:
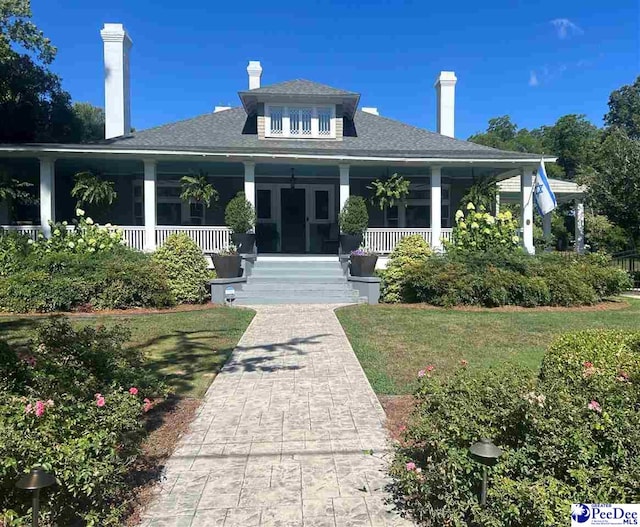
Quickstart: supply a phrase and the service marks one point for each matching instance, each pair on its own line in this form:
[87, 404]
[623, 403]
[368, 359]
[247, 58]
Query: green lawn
[394, 342]
[185, 348]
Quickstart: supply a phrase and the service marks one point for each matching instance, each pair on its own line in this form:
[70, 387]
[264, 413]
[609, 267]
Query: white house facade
[298, 149]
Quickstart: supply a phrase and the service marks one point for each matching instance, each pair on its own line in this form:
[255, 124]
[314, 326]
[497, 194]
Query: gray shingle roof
[299, 87]
[371, 135]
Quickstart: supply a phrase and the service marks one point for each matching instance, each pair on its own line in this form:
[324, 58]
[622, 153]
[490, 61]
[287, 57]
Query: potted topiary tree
[353, 220]
[197, 190]
[227, 262]
[363, 262]
[240, 217]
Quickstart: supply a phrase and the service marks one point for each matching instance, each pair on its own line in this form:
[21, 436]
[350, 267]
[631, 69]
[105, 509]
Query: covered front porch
[297, 202]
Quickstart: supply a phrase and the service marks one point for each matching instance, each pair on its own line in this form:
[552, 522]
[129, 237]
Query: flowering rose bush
[477, 230]
[73, 402]
[569, 435]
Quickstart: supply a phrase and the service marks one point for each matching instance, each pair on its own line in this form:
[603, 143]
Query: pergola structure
[509, 191]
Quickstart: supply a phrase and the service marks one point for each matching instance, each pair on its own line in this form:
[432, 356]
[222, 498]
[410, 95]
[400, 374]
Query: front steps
[297, 281]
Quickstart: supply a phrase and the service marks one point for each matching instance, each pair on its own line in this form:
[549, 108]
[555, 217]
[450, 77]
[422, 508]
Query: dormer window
[298, 121]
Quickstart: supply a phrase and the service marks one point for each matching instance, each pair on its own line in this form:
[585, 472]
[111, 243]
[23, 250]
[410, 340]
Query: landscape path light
[487, 454]
[35, 480]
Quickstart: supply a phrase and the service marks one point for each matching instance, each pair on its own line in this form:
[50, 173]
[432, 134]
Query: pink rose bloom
[430, 368]
[133, 390]
[97, 395]
[100, 401]
[411, 466]
[49, 403]
[31, 361]
[39, 408]
[28, 409]
[595, 406]
[422, 373]
[587, 364]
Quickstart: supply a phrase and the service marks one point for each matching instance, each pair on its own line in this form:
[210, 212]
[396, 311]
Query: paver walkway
[284, 436]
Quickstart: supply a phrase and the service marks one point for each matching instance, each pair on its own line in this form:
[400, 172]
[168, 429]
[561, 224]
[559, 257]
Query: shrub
[409, 250]
[480, 231]
[61, 281]
[67, 404]
[492, 280]
[570, 435]
[84, 236]
[185, 267]
[240, 215]
[354, 217]
[14, 248]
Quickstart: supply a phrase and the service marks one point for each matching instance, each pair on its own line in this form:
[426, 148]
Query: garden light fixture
[487, 454]
[35, 480]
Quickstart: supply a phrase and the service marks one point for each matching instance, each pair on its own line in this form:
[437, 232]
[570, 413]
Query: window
[277, 118]
[322, 204]
[300, 121]
[264, 204]
[324, 121]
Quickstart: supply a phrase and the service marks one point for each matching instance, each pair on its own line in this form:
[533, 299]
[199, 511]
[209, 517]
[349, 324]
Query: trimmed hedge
[63, 281]
[569, 435]
[490, 280]
[185, 267]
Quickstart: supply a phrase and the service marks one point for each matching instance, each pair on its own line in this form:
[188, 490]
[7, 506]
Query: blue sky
[534, 61]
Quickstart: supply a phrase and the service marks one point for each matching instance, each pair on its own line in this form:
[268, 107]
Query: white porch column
[250, 182]
[149, 192]
[344, 184]
[497, 203]
[436, 207]
[579, 229]
[47, 194]
[526, 183]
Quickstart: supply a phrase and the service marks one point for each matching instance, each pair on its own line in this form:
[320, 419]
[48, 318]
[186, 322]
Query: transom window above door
[298, 121]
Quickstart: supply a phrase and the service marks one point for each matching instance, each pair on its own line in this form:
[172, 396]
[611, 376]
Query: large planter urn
[245, 242]
[349, 242]
[227, 266]
[363, 264]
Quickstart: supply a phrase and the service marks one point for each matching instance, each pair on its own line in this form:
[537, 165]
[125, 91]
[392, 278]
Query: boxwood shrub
[492, 280]
[185, 267]
[570, 435]
[64, 281]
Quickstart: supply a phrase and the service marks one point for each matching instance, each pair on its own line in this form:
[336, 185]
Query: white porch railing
[214, 238]
[133, 236]
[209, 238]
[31, 231]
[384, 240]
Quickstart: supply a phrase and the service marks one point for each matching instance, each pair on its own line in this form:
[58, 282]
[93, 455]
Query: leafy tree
[614, 181]
[624, 109]
[89, 122]
[574, 140]
[91, 189]
[33, 105]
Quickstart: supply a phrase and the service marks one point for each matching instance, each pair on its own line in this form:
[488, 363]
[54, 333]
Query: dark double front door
[294, 220]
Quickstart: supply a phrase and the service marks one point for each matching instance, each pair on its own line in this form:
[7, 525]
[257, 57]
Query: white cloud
[565, 28]
[533, 78]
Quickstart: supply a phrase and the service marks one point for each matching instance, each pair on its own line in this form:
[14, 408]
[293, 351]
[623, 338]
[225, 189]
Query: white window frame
[426, 202]
[286, 121]
[186, 205]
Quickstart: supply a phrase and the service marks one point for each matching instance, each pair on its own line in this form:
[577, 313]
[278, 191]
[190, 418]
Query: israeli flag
[544, 197]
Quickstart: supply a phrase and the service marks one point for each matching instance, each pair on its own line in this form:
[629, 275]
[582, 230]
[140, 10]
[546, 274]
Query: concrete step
[294, 272]
[317, 287]
[261, 279]
[296, 265]
[255, 300]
